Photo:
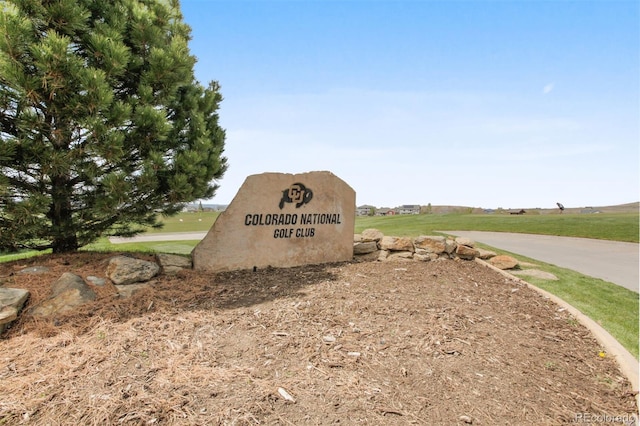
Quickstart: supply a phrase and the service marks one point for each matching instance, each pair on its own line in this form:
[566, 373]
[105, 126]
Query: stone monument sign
[281, 220]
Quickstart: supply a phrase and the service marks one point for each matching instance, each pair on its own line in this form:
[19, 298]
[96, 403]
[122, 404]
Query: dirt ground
[429, 343]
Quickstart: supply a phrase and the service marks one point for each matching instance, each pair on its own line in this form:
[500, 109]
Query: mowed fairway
[187, 222]
[603, 226]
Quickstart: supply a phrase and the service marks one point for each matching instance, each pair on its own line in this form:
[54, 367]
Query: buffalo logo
[296, 193]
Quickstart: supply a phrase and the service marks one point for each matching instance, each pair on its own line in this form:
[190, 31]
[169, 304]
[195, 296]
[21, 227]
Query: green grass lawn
[173, 247]
[603, 226]
[187, 222]
[612, 306]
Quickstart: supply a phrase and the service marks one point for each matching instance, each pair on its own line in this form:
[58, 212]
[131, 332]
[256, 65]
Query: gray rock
[431, 244]
[172, 263]
[96, 280]
[365, 247]
[425, 256]
[13, 296]
[11, 302]
[68, 292]
[34, 270]
[69, 281]
[373, 256]
[123, 270]
[466, 252]
[462, 241]
[450, 245]
[503, 262]
[485, 254]
[8, 314]
[397, 244]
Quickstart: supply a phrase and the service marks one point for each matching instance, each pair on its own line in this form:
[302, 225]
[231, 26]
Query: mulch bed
[384, 343]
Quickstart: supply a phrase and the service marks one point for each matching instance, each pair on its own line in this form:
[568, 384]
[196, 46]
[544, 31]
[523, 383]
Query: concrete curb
[628, 363]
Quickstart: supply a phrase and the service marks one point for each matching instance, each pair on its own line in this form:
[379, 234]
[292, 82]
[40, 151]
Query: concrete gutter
[628, 363]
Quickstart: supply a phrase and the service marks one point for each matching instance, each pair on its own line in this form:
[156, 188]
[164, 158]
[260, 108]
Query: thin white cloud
[548, 88]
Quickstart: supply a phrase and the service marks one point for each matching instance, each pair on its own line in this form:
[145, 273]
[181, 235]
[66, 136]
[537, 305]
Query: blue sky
[489, 104]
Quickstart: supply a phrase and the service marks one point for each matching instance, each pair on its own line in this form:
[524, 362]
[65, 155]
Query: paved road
[611, 261]
[173, 236]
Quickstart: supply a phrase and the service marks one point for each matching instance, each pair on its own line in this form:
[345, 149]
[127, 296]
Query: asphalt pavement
[168, 236]
[612, 261]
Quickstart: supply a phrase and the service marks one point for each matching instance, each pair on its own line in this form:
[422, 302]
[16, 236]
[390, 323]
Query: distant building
[365, 210]
[408, 209]
[385, 211]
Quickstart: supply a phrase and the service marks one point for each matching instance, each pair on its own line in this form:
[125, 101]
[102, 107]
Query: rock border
[372, 244]
[128, 274]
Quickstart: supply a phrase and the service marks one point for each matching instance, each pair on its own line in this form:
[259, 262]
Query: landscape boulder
[463, 241]
[450, 245]
[503, 262]
[281, 220]
[424, 255]
[485, 254]
[365, 247]
[372, 244]
[11, 302]
[431, 244]
[172, 263]
[123, 270]
[397, 244]
[466, 252]
[370, 257]
[68, 292]
[371, 235]
[32, 270]
[96, 280]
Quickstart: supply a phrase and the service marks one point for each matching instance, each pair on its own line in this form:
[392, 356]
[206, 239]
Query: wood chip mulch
[380, 343]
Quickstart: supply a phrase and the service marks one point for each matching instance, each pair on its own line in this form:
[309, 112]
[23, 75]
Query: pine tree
[103, 126]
